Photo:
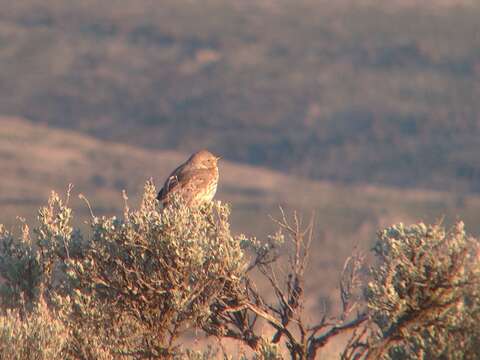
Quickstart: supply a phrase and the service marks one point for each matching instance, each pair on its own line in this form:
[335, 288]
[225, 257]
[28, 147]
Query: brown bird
[195, 180]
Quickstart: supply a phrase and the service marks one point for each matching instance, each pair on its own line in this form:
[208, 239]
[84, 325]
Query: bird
[195, 180]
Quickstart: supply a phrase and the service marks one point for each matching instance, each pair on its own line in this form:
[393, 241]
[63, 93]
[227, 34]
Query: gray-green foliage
[268, 351]
[38, 335]
[424, 296]
[131, 286]
[135, 284]
[29, 329]
[148, 276]
[20, 269]
[32, 263]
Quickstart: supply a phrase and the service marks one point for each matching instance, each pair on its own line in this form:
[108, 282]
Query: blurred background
[365, 112]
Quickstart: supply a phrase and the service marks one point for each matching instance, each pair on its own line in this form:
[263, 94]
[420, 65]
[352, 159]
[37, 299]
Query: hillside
[349, 91]
[35, 159]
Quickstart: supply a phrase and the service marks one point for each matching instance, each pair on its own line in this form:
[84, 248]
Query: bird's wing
[171, 182]
[186, 183]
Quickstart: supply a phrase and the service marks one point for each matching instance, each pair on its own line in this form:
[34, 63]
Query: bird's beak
[218, 158]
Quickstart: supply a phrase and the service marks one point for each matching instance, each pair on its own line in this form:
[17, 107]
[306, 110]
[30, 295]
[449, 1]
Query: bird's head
[203, 159]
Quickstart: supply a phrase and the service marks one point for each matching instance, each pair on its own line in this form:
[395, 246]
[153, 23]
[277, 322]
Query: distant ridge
[382, 92]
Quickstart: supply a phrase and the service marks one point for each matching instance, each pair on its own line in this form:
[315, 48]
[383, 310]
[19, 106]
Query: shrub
[424, 295]
[135, 284]
[39, 335]
[147, 277]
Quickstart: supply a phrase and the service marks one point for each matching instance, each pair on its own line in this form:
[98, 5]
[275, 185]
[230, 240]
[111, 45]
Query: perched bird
[195, 180]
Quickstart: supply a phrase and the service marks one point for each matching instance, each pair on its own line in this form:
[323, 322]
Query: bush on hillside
[37, 335]
[424, 295]
[134, 285]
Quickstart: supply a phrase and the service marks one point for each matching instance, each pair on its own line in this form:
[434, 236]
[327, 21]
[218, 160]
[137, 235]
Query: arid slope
[34, 159]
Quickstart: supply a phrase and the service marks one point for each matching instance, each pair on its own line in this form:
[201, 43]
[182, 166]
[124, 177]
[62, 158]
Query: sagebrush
[133, 285]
